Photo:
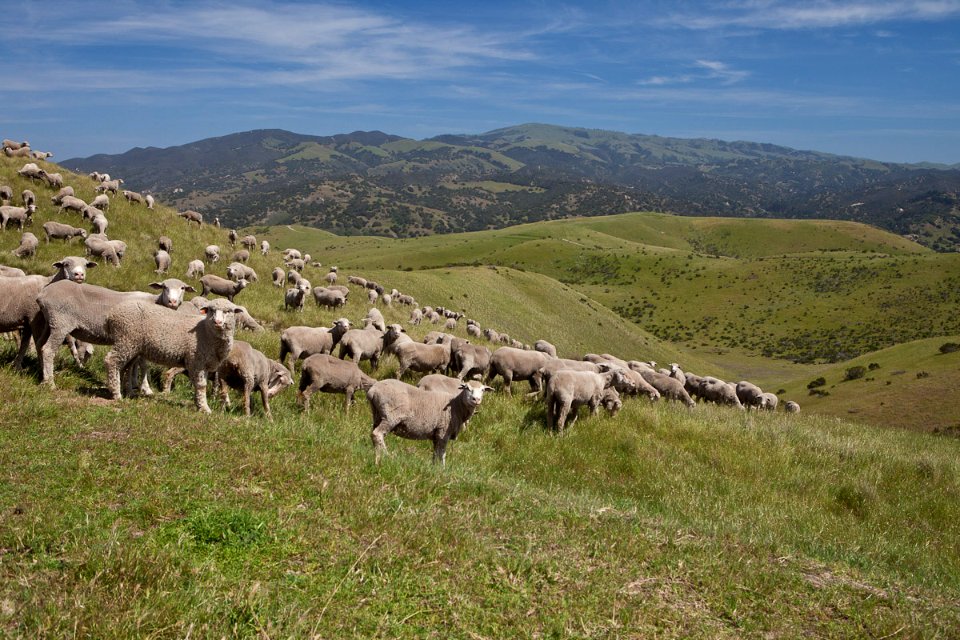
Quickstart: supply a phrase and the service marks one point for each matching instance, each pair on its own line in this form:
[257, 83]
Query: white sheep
[323, 372]
[212, 253]
[264, 247]
[63, 193]
[61, 231]
[149, 199]
[568, 390]
[163, 260]
[133, 197]
[301, 341]
[28, 246]
[409, 412]
[18, 215]
[294, 298]
[247, 369]
[192, 216]
[221, 286]
[195, 269]
[72, 203]
[28, 197]
[101, 201]
[791, 407]
[516, 364]
[362, 344]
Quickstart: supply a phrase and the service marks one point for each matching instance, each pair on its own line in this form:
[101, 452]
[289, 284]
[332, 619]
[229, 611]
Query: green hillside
[141, 518]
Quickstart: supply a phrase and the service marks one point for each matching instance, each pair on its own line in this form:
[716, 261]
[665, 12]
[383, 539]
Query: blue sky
[874, 79]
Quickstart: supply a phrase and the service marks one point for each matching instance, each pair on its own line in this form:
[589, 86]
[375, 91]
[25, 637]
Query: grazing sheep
[416, 316]
[99, 246]
[278, 277]
[31, 171]
[791, 407]
[290, 254]
[372, 296]
[72, 203]
[165, 243]
[192, 216]
[473, 330]
[28, 198]
[770, 401]
[246, 369]
[81, 310]
[13, 144]
[640, 385]
[6, 194]
[113, 186]
[149, 200]
[489, 334]
[293, 276]
[415, 356]
[692, 383]
[28, 246]
[668, 388]
[68, 191]
[133, 197]
[221, 286]
[238, 270]
[232, 237]
[54, 180]
[540, 345]
[41, 155]
[468, 360]
[60, 231]
[362, 344]
[331, 277]
[22, 152]
[295, 298]
[450, 324]
[249, 242]
[101, 201]
[195, 269]
[376, 319]
[715, 390]
[357, 280]
[295, 263]
[163, 260]
[323, 372]
[241, 255]
[677, 374]
[301, 342]
[568, 390]
[18, 215]
[156, 334]
[749, 394]
[330, 298]
[212, 253]
[516, 364]
[409, 412]
[98, 221]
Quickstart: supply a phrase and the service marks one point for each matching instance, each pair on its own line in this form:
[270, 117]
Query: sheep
[331, 277]
[278, 277]
[237, 270]
[329, 298]
[60, 231]
[677, 374]
[247, 368]
[149, 200]
[540, 345]
[249, 241]
[54, 180]
[692, 383]
[516, 364]
[749, 394]
[433, 317]
[295, 298]
[41, 155]
[293, 276]
[639, 383]
[99, 246]
[605, 358]
[290, 254]
[468, 359]
[323, 372]
[22, 152]
[32, 171]
[376, 319]
[98, 221]
[28, 246]
[770, 401]
[195, 269]
[221, 286]
[19, 309]
[101, 201]
[406, 300]
[489, 334]
[450, 324]
[133, 197]
[241, 255]
[18, 215]
[372, 296]
[6, 194]
[264, 247]
[791, 407]
[165, 243]
[216, 222]
[113, 186]
[473, 330]
[192, 216]
[162, 258]
[144, 330]
[436, 337]
[98, 177]
[28, 197]
[295, 263]
[357, 280]
[715, 390]
[232, 237]
[568, 390]
[439, 382]
[63, 193]
[362, 344]
[416, 317]
[212, 253]
[81, 310]
[414, 356]
[409, 412]
[668, 388]
[13, 144]
[301, 342]
[72, 203]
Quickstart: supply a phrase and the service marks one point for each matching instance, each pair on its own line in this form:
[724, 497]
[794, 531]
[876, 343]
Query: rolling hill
[372, 183]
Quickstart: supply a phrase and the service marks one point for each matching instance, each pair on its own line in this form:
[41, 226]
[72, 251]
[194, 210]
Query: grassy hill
[143, 518]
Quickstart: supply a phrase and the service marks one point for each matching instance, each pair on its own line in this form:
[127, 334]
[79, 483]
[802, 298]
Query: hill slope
[373, 183]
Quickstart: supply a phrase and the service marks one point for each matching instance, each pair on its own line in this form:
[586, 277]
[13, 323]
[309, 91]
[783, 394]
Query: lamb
[376, 319]
[329, 298]
[540, 345]
[247, 368]
[68, 191]
[72, 203]
[144, 330]
[715, 390]
[163, 260]
[421, 415]
[54, 180]
[212, 253]
[19, 309]
[32, 171]
[221, 286]
[192, 216]
[668, 388]
[99, 246]
[133, 197]
[516, 364]
[301, 341]
[362, 344]
[323, 372]
[82, 310]
[149, 200]
[28, 246]
[791, 407]
[237, 270]
[241, 256]
[568, 390]
[113, 186]
[101, 201]
[294, 297]
[165, 243]
[18, 215]
[28, 197]
[770, 401]
[195, 269]
[749, 394]
[468, 359]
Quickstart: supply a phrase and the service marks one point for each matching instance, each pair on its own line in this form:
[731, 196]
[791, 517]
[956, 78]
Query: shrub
[873, 366]
[819, 392]
[949, 347]
[855, 373]
[923, 374]
[819, 382]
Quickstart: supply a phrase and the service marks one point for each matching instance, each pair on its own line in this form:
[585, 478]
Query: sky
[877, 79]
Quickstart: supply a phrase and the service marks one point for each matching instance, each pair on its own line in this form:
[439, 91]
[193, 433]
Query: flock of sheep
[197, 337]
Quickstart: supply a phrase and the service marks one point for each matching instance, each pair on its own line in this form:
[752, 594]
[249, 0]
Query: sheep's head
[472, 392]
[280, 379]
[171, 292]
[222, 314]
[74, 268]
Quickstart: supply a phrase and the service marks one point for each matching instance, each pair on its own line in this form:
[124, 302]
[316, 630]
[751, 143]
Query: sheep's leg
[265, 399]
[440, 451]
[551, 413]
[562, 418]
[168, 377]
[114, 364]
[199, 380]
[48, 352]
[348, 395]
[535, 382]
[507, 381]
[247, 392]
[145, 389]
[380, 429]
[25, 335]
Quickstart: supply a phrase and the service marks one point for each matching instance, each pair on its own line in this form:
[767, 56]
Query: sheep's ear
[58, 264]
[155, 285]
[238, 309]
[464, 385]
[189, 288]
[203, 311]
[486, 388]
[91, 264]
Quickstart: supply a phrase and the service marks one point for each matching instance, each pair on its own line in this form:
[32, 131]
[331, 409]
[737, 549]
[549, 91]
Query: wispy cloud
[701, 70]
[813, 15]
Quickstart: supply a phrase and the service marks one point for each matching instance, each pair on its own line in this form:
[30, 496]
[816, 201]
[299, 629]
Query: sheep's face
[74, 268]
[280, 379]
[171, 292]
[222, 316]
[654, 395]
[472, 392]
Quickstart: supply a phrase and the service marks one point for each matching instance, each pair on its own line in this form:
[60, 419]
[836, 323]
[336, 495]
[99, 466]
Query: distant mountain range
[380, 184]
